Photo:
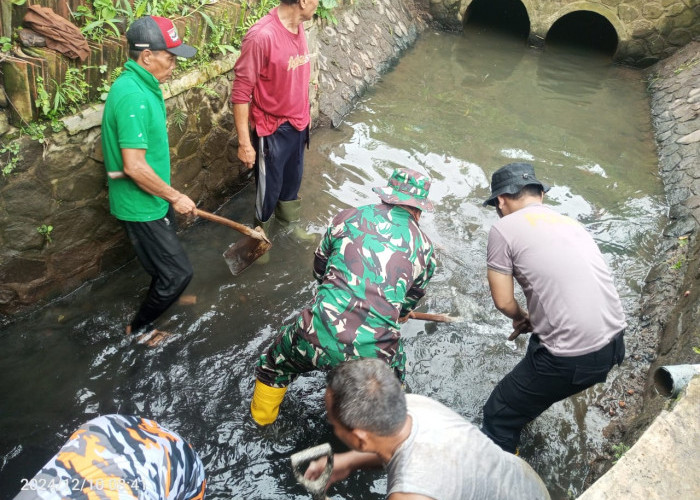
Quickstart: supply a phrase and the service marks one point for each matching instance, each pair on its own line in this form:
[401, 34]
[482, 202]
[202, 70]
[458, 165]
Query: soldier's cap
[510, 179]
[406, 187]
[157, 33]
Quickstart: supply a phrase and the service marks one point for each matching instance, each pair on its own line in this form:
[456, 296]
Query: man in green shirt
[137, 159]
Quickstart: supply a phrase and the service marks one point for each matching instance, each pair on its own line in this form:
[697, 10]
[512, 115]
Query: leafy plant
[165, 8]
[45, 231]
[677, 265]
[99, 20]
[35, 130]
[107, 82]
[179, 117]
[5, 44]
[687, 65]
[215, 45]
[10, 154]
[250, 14]
[43, 100]
[207, 90]
[68, 95]
[324, 10]
[619, 450]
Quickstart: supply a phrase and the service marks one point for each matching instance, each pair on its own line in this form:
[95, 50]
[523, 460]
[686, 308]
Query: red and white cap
[157, 33]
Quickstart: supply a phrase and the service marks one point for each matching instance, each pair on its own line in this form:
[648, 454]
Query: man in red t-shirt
[271, 107]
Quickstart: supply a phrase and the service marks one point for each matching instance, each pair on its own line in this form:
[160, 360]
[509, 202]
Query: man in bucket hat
[573, 310]
[373, 266]
[137, 159]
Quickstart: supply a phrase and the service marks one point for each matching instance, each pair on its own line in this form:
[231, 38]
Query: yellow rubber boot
[266, 402]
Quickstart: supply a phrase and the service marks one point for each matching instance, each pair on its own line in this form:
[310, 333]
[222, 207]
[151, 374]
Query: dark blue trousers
[278, 171]
[161, 254]
[540, 380]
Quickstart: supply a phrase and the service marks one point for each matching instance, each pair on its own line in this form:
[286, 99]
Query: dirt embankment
[670, 308]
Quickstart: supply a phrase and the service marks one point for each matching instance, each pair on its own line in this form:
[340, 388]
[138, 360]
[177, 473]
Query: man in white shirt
[429, 451]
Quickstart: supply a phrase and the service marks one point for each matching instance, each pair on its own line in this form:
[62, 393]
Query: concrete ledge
[664, 462]
[91, 116]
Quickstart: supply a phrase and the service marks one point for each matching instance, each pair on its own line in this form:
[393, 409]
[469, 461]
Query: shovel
[245, 251]
[301, 460]
[241, 254]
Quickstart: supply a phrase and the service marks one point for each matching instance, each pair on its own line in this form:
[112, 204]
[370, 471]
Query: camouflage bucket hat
[406, 187]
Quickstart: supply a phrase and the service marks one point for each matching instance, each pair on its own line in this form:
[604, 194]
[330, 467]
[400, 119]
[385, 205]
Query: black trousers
[540, 380]
[161, 254]
[278, 171]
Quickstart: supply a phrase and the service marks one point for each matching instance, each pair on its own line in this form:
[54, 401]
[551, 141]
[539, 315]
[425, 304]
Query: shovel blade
[244, 252]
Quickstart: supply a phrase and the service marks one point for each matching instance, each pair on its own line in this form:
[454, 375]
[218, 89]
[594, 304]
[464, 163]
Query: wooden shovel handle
[442, 318]
[232, 224]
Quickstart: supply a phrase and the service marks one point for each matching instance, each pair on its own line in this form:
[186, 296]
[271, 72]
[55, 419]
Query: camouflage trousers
[290, 355]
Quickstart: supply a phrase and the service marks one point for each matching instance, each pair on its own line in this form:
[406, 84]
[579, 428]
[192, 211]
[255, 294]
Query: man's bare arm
[137, 168]
[246, 152]
[503, 295]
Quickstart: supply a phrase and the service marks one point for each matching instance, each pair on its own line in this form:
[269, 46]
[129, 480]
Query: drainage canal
[456, 107]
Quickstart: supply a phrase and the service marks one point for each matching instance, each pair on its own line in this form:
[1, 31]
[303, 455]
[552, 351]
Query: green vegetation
[178, 117]
[324, 11]
[207, 90]
[9, 157]
[45, 231]
[250, 14]
[101, 19]
[619, 450]
[69, 95]
[5, 44]
[687, 65]
[35, 130]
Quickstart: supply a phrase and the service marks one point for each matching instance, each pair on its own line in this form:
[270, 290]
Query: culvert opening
[584, 29]
[504, 16]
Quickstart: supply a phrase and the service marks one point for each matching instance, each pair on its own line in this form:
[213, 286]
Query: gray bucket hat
[510, 179]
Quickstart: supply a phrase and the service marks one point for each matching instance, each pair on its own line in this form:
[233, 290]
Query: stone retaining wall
[670, 308]
[671, 301]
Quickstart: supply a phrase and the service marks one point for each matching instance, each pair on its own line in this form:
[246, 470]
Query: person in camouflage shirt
[373, 266]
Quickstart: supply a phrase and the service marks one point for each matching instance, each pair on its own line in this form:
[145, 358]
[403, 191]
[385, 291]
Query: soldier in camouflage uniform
[373, 266]
[117, 456]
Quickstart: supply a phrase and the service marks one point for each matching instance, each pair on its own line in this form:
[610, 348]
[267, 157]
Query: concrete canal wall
[663, 463]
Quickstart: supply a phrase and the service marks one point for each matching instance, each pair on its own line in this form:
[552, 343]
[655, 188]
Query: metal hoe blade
[316, 487]
[244, 252]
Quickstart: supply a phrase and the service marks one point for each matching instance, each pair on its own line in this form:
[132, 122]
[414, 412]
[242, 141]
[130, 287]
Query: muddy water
[456, 107]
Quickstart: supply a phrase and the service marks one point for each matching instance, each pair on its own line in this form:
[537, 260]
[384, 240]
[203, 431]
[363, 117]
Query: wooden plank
[92, 74]
[19, 77]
